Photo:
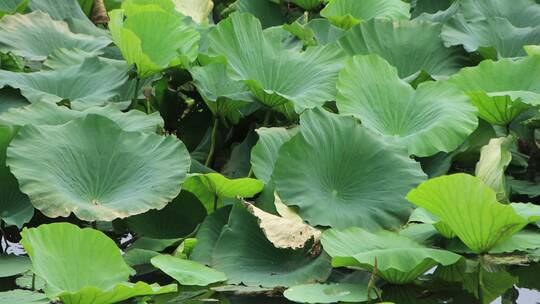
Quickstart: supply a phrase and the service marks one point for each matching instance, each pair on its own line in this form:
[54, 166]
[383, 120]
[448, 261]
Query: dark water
[524, 288]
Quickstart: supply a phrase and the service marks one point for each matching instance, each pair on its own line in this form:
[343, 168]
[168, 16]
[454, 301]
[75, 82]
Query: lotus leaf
[328, 293]
[22, 296]
[187, 272]
[198, 10]
[93, 168]
[265, 152]
[494, 158]
[435, 117]
[346, 13]
[399, 259]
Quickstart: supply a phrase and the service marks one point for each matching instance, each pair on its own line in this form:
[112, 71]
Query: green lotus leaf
[528, 211]
[521, 13]
[430, 7]
[12, 6]
[265, 152]
[36, 35]
[198, 10]
[93, 168]
[532, 50]
[178, 219]
[528, 188]
[328, 293]
[22, 296]
[208, 235]
[346, 13]
[11, 99]
[523, 241]
[473, 212]
[501, 89]
[339, 174]
[210, 188]
[94, 82]
[435, 117]
[245, 255]
[15, 207]
[315, 32]
[399, 259]
[152, 38]
[43, 113]
[421, 215]
[392, 41]
[275, 74]
[494, 158]
[268, 12]
[307, 4]
[11, 265]
[82, 265]
[223, 95]
[188, 272]
[493, 38]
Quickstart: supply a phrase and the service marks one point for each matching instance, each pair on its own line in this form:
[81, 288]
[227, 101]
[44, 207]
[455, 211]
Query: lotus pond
[269, 151]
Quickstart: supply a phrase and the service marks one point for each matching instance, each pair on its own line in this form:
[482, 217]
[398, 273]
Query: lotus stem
[267, 117]
[99, 13]
[136, 92]
[371, 285]
[480, 278]
[213, 139]
[215, 202]
[33, 281]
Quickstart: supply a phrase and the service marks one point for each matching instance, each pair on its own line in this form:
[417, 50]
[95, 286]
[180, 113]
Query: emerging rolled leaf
[339, 174]
[36, 35]
[93, 168]
[392, 41]
[82, 264]
[398, 259]
[346, 13]
[494, 158]
[470, 208]
[435, 117]
[152, 38]
[501, 89]
[276, 75]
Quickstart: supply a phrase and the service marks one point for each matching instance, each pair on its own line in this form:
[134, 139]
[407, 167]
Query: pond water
[505, 284]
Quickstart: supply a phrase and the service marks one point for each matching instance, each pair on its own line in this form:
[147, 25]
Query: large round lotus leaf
[399, 259]
[346, 13]
[501, 89]
[470, 209]
[44, 113]
[521, 13]
[265, 152]
[152, 38]
[178, 219]
[392, 41]
[69, 258]
[93, 168]
[275, 74]
[36, 35]
[340, 174]
[22, 296]
[11, 265]
[433, 118]
[15, 207]
[245, 255]
[187, 272]
[493, 38]
[94, 82]
[328, 293]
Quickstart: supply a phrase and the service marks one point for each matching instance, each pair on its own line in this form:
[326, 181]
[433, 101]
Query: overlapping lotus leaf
[245, 255]
[208, 235]
[82, 265]
[340, 174]
[93, 168]
[435, 117]
[520, 13]
[392, 41]
[307, 4]
[22, 296]
[346, 13]
[501, 89]
[152, 38]
[188, 272]
[198, 10]
[44, 113]
[12, 6]
[493, 38]
[11, 265]
[328, 293]
[265, 152]
[472, 212]
[36, 35]
[399, 259]
[223, 95]
[94, 82]
[276, 75]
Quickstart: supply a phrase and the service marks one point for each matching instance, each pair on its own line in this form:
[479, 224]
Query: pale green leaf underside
[187, 272]
[93, 168]
[339, 174]
[469, 208]
[435, 117]
[399, 259]
[328, 293]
